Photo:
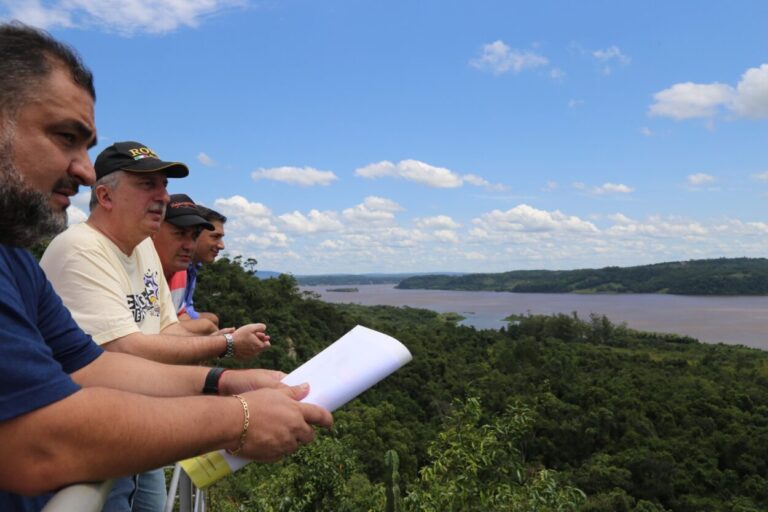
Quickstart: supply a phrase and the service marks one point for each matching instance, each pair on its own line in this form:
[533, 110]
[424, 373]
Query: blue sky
[439, 135]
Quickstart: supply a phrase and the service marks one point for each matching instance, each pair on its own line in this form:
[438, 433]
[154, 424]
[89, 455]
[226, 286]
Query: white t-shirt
[109, 293]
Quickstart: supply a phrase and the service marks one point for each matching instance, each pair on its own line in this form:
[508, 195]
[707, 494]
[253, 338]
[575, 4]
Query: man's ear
[104, 197]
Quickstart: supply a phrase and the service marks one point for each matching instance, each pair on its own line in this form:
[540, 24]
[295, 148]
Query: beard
[26, 216]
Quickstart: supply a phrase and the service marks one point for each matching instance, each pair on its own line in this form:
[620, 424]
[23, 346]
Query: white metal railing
[83, 497]
[92, 496]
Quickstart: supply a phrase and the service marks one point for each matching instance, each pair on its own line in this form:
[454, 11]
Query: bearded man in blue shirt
[70, 412]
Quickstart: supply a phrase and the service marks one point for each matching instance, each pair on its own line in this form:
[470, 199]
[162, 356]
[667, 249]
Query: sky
[343, 136]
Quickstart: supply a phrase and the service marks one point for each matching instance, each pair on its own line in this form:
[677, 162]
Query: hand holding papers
[342, 371]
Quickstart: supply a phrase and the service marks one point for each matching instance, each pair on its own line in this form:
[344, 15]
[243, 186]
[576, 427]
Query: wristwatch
[211, 386]
[230, 352]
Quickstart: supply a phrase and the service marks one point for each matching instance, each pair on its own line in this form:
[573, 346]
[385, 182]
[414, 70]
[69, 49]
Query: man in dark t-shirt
[68, 411]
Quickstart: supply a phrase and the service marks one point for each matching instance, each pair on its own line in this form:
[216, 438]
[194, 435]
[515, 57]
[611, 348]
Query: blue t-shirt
[41, 345]
[189, 292]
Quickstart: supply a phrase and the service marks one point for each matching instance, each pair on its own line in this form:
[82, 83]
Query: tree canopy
[723, 276]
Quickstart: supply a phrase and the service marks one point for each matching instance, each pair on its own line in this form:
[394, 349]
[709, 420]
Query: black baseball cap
[183, 212]
[135, 157]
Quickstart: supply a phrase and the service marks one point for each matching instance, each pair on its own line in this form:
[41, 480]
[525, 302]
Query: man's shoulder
[12, 259]
[77, 236]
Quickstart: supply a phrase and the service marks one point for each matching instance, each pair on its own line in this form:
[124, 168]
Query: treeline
[342, 279]
[551, 413]
[723, 276]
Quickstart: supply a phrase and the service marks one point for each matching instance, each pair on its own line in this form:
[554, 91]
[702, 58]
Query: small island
[345, 290]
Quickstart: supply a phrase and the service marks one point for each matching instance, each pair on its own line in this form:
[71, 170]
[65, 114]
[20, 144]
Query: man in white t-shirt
[109, 276]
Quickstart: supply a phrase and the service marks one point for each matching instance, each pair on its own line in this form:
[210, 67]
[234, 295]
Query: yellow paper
[206, 469]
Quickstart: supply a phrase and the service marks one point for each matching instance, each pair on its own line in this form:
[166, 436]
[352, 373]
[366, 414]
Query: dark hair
[27, 56]
[211, 215]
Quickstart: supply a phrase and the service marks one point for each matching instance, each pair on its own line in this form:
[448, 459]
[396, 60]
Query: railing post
[185, 493]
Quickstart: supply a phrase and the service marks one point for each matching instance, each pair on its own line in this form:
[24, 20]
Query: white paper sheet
[342, 371]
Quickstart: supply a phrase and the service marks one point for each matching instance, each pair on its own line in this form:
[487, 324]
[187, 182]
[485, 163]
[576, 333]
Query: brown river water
[741, 320]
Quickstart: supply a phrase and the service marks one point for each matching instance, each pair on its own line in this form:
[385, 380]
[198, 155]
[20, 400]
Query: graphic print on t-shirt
[148, 301]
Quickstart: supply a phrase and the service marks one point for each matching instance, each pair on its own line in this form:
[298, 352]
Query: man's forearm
[169, 348]
[100, 433]
[140, 375]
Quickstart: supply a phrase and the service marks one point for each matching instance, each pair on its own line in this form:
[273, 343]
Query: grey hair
[111, 181]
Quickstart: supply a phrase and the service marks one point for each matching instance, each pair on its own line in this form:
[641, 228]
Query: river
[741, 320]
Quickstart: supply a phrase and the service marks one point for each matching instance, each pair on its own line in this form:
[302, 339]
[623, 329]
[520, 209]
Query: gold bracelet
[246, 422]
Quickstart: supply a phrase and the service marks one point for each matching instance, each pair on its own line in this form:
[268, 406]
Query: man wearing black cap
[110, 277]
[72, 412]
[176, 243]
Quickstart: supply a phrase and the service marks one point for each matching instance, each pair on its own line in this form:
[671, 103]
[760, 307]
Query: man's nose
[82, 170]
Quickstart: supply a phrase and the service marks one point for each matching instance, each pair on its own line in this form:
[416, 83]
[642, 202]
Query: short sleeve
[88, 283]
[41, 343]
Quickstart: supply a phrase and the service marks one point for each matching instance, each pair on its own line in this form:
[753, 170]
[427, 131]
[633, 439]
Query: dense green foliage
[525, 418]
[724, 276]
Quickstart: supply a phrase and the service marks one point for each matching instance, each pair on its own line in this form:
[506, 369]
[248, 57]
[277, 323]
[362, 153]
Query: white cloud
[266, 240]
[761, 176]
[446, 235]
[362, 214]
[573, 103]
[125, 17]
[550, 186]
[608, 56]
[244, 214]
[438, 222]
[498, 58]
[748, 99]
[380, 203]
[611, 54]
[689, 100]
[659, 227]
[314, 222]
[604, 189]
[426, 174]
[699, 179]
[752, 93]
[305, 177]
[32, 12]
[646, 131]
[205, 159]
[620, 218]
[330, 244]
[475, 256]
[556, 74]
[413, 170]
[528, 219]
[75, 215]
[477, 181]
[612, 188]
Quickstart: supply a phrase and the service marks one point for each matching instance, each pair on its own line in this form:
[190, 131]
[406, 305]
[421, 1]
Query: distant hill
[722, 276]
[266, 274]
[343, 279]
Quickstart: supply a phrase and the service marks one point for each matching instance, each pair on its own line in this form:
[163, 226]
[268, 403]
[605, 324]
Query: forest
[344, 279]
[722, 276]
[555, 413]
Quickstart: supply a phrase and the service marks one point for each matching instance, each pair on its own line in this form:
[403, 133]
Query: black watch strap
[211, 386]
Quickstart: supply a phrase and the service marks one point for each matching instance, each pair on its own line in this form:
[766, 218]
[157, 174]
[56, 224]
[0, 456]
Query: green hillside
[553, 413]
[724, 276]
